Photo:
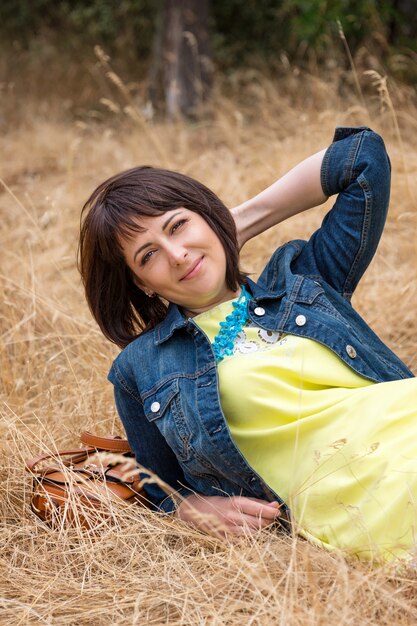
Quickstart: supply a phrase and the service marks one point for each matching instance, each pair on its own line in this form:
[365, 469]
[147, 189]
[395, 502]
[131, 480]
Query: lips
[193, 270]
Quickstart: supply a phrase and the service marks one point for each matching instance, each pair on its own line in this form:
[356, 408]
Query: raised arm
[298, 190]
[356, 168]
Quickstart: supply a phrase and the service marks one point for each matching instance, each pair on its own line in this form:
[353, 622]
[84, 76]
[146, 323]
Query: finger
[242, 500]
[235, 522]
[231, 528]
[257, 508]
[261, 500]
[255, 522]
[248, 526]
[240, 531]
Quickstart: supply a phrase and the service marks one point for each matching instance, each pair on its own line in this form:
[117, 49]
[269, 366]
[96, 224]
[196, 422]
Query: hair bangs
[114, 223]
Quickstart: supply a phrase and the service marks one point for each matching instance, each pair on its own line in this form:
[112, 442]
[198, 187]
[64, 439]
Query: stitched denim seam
[210, 476]
[348, 287]
[290, 302]
[348, 178]
[297, 248]
[390, 364]
[125, 386]
[351, 158]
[296, 288]
[159, 385]
[324, 170]
[176, 376]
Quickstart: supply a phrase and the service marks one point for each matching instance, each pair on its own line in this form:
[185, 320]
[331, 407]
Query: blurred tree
[126, 25]
[240, 33]
[403, 22]
[181, 57]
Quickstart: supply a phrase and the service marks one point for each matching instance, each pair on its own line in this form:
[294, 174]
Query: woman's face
[180, 258]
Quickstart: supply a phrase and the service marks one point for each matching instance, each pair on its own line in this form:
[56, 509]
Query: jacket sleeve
[357, 168]
[150, 448]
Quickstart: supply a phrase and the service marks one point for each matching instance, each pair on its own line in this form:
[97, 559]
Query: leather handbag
[81, 486]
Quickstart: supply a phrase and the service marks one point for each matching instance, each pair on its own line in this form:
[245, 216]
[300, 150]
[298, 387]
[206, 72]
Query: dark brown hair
[119, 306]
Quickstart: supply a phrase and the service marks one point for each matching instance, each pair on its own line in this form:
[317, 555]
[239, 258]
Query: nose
[177, 254]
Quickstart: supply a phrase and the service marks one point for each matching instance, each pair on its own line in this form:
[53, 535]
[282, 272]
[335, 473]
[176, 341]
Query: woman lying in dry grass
[258, 401]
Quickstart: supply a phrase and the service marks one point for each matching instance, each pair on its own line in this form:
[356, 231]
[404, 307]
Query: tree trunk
[404, 24]
[181, 48]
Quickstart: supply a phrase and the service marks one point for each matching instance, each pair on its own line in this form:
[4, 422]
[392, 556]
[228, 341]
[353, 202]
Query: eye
[178, 225]
[146, 257]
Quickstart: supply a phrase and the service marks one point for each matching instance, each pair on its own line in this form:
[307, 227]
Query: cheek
[136, 275]
[136, 279]
[221, 252]
[138, 282]
[155, 279]
[215, 242]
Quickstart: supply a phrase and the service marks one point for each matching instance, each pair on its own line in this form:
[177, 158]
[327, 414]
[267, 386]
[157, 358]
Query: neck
[231, 295]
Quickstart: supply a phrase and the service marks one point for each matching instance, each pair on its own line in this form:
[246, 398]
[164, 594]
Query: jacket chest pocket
[313, 294]
[163, 408]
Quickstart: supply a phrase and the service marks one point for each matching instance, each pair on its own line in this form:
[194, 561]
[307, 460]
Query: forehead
[161, 221]
[138, 224]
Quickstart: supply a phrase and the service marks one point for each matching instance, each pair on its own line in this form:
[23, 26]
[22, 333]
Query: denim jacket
[165, 382]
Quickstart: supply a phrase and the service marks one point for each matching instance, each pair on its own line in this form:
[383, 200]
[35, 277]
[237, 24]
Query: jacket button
[155, 406]
[259, 311]
[300, 320]
[351, 351]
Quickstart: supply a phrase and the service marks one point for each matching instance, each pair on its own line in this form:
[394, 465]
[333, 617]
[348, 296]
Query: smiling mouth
[194, 270]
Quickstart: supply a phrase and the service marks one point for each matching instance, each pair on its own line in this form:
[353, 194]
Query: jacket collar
[175, 319]
[259, 293]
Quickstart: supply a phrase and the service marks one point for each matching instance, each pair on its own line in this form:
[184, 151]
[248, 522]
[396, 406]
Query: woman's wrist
[245, 215]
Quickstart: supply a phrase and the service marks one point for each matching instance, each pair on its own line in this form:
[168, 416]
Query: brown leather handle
[93, 443]
[79, 455]
[112, 443]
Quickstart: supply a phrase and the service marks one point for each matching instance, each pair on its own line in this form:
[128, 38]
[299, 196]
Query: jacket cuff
[341, 132]
[172, 502]
[341, 157]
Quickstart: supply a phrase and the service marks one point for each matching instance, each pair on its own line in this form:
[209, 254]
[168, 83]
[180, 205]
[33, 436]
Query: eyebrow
[147, 245]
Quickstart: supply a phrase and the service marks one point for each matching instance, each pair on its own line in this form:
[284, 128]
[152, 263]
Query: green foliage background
[240, 31]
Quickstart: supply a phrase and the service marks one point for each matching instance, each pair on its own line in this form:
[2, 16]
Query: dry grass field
[146, 568]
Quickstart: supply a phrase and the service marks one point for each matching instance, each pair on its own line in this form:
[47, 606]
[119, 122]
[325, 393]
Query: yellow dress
[339, 449]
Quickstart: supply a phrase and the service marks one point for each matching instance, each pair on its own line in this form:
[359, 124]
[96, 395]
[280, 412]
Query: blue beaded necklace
[224, 341]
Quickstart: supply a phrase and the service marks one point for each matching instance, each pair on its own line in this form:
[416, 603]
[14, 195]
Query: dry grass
[149, 569]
